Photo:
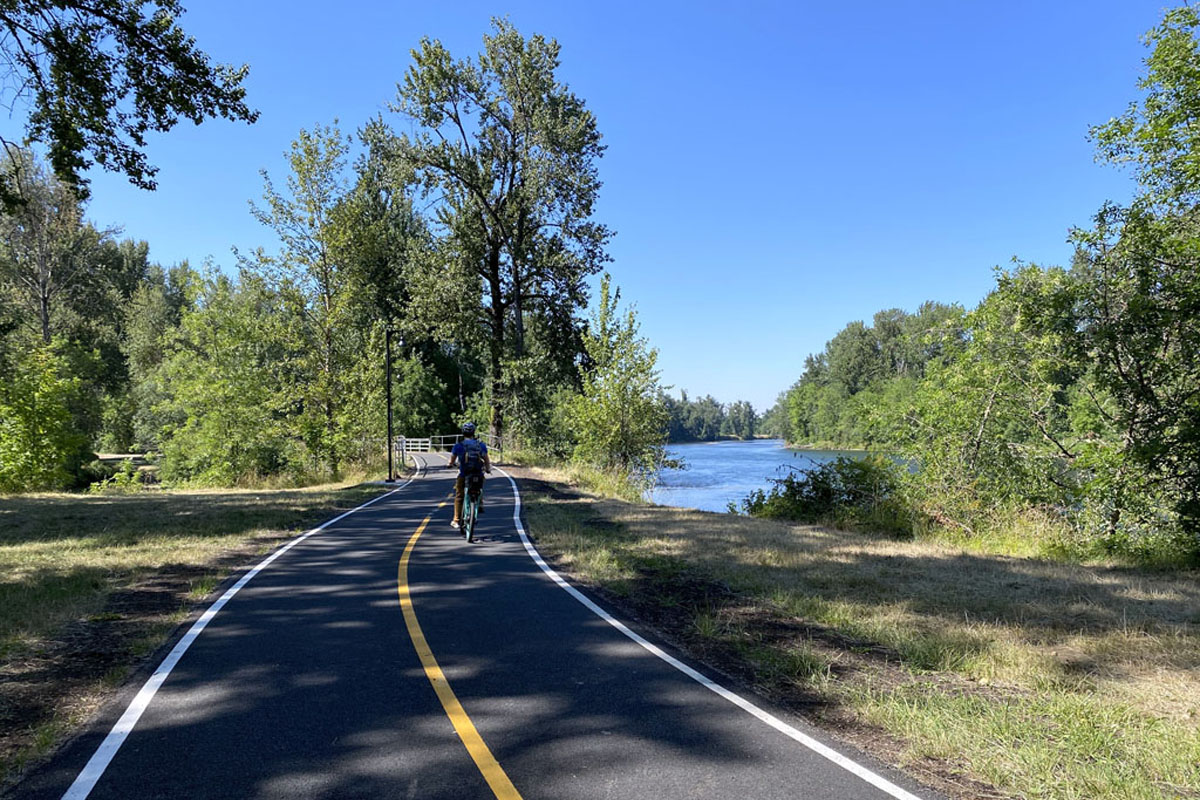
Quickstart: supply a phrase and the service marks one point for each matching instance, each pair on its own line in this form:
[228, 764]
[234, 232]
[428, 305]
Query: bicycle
[473, 495]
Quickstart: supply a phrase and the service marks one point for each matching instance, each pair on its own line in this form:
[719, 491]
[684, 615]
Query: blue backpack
[472, 457]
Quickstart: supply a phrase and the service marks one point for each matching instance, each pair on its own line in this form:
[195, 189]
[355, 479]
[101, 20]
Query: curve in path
[308, 684]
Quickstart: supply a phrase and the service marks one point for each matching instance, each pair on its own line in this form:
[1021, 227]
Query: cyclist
[472, 458]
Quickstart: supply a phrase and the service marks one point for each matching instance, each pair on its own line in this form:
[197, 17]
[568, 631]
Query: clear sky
[774, 170]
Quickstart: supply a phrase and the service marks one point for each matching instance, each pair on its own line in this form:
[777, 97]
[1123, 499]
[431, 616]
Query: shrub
[855, 493]
[125, 480]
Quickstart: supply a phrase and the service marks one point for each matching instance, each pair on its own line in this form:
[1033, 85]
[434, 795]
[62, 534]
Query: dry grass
[1043, 679]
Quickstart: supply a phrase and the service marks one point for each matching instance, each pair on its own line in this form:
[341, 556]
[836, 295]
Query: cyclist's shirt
[470, 454]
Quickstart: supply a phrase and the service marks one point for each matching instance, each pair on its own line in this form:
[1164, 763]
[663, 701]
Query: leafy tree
[99, 75]
[774, 422]
[39, 446]
[1140, 282]
[152, 316]
[619, 420]
[310, 276]
[229, 379]
[990, 423]
[1137, 305]
[48, 249]
[1159, 136]
[510, 152]
[742, 419]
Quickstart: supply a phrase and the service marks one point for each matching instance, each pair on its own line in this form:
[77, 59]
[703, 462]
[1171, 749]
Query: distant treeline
[863, 368]
[707, 420]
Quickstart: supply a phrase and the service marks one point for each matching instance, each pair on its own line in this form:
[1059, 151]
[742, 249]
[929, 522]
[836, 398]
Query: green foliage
[1067, 394]
[706, 420]
[509, 154]
[39, 448]
[1158, 136]
[619, 420]
[854, 493]
[835, 399]
[99, 76]
[124, 480]
[227, 380]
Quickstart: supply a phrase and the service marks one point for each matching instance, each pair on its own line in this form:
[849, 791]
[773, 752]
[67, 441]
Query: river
[719, 473]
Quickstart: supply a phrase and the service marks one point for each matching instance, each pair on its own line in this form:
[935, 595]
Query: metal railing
[403, 445]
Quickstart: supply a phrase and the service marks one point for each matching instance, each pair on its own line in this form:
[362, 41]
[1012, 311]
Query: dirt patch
[667, 601]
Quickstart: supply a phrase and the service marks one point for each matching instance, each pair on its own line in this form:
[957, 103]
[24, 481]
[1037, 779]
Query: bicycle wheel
[470, 511]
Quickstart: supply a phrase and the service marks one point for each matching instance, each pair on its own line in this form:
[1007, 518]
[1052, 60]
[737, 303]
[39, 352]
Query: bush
[854, 493]
[124, 480]
[39, 446]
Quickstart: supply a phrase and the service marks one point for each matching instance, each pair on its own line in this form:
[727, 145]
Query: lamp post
[388, 384]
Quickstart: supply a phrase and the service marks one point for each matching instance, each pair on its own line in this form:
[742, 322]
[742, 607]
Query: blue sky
[774, 170]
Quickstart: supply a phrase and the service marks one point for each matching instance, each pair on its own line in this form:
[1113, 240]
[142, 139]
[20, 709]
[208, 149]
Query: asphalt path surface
[308, 684]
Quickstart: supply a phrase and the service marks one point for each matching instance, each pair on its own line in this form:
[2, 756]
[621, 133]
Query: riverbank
[983, 675]
[90, 585]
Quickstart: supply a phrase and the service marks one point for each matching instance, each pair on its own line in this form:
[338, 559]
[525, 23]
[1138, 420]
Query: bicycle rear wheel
[470, 512]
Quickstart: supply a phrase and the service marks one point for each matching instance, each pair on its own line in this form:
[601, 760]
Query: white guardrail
[403, 445]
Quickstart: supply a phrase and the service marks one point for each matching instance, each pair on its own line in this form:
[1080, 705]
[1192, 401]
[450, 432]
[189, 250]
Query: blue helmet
[468, 429]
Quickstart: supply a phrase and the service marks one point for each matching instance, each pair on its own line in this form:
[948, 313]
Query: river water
[718, 473]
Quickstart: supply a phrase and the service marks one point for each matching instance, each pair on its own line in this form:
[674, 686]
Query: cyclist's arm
[487, 463]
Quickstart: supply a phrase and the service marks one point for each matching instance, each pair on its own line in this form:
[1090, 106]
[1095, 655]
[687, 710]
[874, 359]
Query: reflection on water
[719, 473]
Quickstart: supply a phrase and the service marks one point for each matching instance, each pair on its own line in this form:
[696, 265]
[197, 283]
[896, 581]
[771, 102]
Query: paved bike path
[307, 684]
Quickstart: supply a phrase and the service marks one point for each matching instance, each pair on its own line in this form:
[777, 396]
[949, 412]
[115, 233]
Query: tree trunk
[496, 349]
[44, 312]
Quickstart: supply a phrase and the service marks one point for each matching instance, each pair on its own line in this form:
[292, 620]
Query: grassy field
[986, 675]
[90, 584]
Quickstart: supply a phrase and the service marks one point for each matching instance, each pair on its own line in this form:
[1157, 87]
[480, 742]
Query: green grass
[1048, 744]
[1045, 679]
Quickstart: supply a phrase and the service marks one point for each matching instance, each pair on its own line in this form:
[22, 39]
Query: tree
[1159, 136]
[742, 419]
[39, 446]
[619, 420]
[1140, 277]
[1137, 306]
[509, 153]
[310, 276]
[98, 75]
[48, 249]
[230, 409]
[152, 317]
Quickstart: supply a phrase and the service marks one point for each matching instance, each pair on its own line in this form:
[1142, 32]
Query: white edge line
[820, 749]
[94, 769]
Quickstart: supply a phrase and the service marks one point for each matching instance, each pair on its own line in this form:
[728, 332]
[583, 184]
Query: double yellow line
[493, 773]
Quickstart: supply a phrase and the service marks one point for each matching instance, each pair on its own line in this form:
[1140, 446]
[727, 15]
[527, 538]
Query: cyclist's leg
[458, 496]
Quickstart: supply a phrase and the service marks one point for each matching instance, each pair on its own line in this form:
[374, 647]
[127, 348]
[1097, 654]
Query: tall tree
[510, 154]
[48, 249]
[308, 273]
[1140, 272]
[98, 75]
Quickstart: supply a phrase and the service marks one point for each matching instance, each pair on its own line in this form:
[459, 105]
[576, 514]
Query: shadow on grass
[108, 520]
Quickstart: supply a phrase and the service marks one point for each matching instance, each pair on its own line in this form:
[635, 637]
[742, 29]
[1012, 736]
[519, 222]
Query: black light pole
[388, 371]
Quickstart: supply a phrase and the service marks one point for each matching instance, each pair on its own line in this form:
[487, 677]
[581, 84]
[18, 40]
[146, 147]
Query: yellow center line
[493, 773]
